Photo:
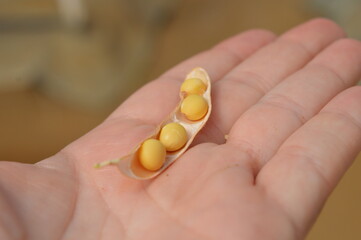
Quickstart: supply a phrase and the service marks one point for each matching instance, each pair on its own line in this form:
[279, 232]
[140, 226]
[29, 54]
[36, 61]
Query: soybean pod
[174, 135]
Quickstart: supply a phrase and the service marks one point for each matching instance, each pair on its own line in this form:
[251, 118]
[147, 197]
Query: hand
[294, 125]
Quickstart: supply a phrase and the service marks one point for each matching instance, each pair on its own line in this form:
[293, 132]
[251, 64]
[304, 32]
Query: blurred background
[66, 64]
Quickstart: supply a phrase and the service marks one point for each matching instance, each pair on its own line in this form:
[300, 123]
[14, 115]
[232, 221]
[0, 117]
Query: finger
[137, 117]
[263, 128]
[311, 162]
[249, 81]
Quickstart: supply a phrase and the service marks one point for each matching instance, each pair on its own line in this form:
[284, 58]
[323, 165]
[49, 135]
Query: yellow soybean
[152, 154]
[193, 86]
[194, 107]
[173, 136]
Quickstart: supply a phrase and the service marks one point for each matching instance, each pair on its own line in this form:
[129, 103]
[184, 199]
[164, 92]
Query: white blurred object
[73, 13]
[84, 53]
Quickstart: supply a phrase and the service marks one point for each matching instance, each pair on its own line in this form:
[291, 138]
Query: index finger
[157, 99]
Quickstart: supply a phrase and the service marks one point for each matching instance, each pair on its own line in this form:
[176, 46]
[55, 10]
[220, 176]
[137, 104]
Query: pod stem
[106, 163]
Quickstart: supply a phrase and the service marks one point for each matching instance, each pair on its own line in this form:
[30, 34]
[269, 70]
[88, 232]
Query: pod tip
[106, 163]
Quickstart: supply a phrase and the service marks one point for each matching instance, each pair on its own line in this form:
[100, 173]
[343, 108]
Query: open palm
[294, 127]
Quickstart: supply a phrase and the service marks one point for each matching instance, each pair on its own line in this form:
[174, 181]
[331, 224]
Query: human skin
[294, 125]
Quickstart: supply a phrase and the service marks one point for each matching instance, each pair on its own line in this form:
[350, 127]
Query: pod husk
[130, 166]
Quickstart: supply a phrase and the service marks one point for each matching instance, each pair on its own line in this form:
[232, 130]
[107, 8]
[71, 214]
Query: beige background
[35, 123]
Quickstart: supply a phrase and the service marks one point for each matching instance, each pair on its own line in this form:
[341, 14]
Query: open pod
[131, 166]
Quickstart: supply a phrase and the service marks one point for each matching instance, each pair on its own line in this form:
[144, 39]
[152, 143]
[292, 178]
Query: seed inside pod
[152, 154]
[193, 86]
[194, 107]
[173, 136]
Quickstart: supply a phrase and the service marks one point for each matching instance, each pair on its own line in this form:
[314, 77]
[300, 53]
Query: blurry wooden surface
[33, 126]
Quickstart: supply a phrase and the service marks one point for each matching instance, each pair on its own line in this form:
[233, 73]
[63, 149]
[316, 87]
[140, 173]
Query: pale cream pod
[130, 166]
